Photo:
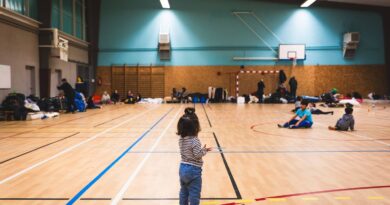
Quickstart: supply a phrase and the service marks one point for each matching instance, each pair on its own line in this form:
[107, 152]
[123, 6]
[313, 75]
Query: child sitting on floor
[346, 122]
[305, 118]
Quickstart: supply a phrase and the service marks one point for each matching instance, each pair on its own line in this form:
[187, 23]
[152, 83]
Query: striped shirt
[191, 151]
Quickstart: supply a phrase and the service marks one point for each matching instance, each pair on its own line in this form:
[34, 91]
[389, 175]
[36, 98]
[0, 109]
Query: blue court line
[91, 183]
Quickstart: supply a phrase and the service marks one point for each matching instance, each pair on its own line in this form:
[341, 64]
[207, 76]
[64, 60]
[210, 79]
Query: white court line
[71, 148]
[373, 139]
[361, 136]
[349, 133]
[120, 194]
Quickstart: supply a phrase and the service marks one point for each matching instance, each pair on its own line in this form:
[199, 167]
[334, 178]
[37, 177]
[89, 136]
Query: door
[30, 80]
[56, 80]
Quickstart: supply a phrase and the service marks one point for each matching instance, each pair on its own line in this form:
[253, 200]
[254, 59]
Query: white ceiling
[365, 2]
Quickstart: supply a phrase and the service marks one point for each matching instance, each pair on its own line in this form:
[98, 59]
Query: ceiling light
[306, 4]
[165, 4]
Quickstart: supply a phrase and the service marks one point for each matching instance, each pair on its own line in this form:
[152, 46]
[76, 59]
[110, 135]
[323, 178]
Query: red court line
[315, 192]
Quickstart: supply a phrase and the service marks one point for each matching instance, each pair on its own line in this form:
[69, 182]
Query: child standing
[346, 122]
[191, 152]
[305, 119]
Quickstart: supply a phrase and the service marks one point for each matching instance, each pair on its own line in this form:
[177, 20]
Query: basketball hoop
[292, 55]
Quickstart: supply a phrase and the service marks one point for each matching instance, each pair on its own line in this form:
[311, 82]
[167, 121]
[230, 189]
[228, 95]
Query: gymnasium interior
[93, 94]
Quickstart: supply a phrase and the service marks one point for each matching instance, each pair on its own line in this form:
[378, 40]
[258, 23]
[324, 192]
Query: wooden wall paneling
[138, 79]
[248, 82]
[157, 82]
[197, 79]
[150, 78]
[232, 83]
[312, 80]
[123, 94]
[347, 79]
[118, 79]
[104, 74]
[131, 83]
[144, 81]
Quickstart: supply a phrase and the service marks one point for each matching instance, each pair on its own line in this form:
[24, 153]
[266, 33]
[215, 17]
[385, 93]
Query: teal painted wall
[206, 33]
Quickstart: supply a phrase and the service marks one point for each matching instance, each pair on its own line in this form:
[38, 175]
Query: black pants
[260, 96]
[293, 92]
[320, 112]
[70, 103]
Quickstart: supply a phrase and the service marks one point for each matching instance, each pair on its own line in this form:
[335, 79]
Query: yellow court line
[375, 198]
[244, 201]
[343, 198]
[210, 203]
[277, 199]
[310, 199]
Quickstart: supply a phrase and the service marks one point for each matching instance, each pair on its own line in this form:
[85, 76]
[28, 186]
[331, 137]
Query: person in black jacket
[69, 95]
[260, 90]
[183, 96]
[115, 97]
[293, 87]
[282, 77]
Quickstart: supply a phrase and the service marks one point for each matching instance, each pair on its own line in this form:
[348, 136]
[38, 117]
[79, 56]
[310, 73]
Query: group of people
[281, 91]
[192, 151]
[305, 106]
[115, 98]
[179, 96]
[303, 117]
[73, 98]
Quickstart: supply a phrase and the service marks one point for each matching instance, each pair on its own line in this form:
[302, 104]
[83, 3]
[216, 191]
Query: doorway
[56, 81]
[30, 80]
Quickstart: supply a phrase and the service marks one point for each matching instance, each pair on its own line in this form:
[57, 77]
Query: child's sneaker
[331, 128]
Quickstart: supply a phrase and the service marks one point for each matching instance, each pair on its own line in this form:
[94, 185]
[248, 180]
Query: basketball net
[294, 61]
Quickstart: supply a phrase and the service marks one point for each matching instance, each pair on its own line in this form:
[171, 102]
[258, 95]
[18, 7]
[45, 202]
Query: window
[25, 7]
[79, 19]
[33, 9]
[15, 5]
[55, 14]
[67, 15]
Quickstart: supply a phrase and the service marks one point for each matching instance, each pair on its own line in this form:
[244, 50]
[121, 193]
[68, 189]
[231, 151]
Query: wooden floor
[128, 154]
